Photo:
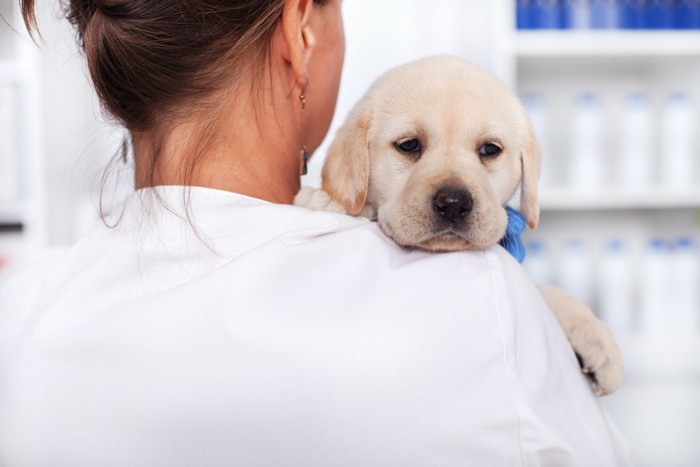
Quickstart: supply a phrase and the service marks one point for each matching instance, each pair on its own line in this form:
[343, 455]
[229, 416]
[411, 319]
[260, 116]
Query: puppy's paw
[306, 195]
[317, 200]
[598, 354]
[594, 344]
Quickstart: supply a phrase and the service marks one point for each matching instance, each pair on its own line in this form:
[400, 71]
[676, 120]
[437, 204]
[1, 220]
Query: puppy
[433, 152]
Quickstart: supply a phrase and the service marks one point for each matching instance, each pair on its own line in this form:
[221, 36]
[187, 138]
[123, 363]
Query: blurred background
[612, 88]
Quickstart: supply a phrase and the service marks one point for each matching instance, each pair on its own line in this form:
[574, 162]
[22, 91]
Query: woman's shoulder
[223, 219]
[244, 235]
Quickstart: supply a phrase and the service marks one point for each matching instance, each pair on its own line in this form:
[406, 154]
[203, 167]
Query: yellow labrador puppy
[433, 152]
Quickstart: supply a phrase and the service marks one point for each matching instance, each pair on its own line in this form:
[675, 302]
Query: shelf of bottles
[612, 90]
[678, 15]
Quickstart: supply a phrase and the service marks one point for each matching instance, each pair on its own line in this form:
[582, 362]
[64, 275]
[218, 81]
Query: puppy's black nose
[453, 204]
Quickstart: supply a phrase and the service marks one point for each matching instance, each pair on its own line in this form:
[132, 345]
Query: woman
[218, 325]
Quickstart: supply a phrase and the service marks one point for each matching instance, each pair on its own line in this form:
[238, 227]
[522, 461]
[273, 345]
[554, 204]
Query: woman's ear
[309, 38]
[298, 37]
[346, 169]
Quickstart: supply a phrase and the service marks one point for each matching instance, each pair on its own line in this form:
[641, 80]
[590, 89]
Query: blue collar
[512, 241]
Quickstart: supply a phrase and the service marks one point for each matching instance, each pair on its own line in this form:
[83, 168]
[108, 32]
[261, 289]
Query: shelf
[619, 44]
[554, 199]
[11, 213]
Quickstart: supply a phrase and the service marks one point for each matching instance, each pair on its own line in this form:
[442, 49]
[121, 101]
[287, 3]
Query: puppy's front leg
[317, 199]
[592, 341]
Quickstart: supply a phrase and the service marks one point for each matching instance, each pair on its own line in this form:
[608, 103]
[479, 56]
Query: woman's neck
[235, 152]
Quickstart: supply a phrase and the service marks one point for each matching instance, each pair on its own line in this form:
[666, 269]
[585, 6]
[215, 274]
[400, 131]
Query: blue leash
[512, 241]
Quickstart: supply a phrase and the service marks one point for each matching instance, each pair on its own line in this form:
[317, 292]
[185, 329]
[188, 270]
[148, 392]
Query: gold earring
[302, 96]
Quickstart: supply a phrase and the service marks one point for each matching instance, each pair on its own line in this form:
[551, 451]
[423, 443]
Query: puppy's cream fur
[452, 108]
[420, 100]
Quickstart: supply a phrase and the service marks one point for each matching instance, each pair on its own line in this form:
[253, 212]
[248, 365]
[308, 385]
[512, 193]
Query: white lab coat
[277, 336]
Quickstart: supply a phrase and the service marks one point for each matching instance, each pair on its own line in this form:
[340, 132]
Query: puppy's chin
[445, 241]
[448, 242]
[413, 229]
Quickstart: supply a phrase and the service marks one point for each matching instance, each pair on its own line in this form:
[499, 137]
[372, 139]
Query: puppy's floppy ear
[346, 169]
[530, 160]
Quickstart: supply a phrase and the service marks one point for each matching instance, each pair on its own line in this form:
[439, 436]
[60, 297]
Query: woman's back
[276, 336]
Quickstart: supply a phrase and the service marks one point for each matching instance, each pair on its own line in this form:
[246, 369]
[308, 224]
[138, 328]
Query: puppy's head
[436, 148]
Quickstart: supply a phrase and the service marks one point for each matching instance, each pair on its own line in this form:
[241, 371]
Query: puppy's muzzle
[452, 205]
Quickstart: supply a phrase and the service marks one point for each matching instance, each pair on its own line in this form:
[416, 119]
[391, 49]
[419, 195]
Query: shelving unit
[22, 219]
[660, 401]
[604, 43]
[616, 198]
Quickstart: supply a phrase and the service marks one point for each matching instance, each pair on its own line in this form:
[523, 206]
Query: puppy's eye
[409, 146]
[490, 150]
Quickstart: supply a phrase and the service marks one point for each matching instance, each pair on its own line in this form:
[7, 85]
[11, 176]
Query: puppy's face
[437, 148]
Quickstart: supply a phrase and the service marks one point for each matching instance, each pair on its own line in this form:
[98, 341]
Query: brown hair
[152, 58]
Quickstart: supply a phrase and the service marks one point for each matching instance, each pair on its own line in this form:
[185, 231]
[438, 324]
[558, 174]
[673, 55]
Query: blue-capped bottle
[587, 150]
[677, 134]
[547, 14]
[523, 14]
[654, 288]
[615, 286]
[686, 14]
[574, 270]
[659, 14]
[633, 14]
[685, 286]
[538, 262]
[636, 142]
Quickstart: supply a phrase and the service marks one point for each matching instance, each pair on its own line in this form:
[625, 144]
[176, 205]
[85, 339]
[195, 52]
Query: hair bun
[115, 9]
[81, 12]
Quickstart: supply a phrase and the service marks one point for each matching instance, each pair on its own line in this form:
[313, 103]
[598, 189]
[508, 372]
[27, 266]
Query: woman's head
[148, 57]
[154, 62]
